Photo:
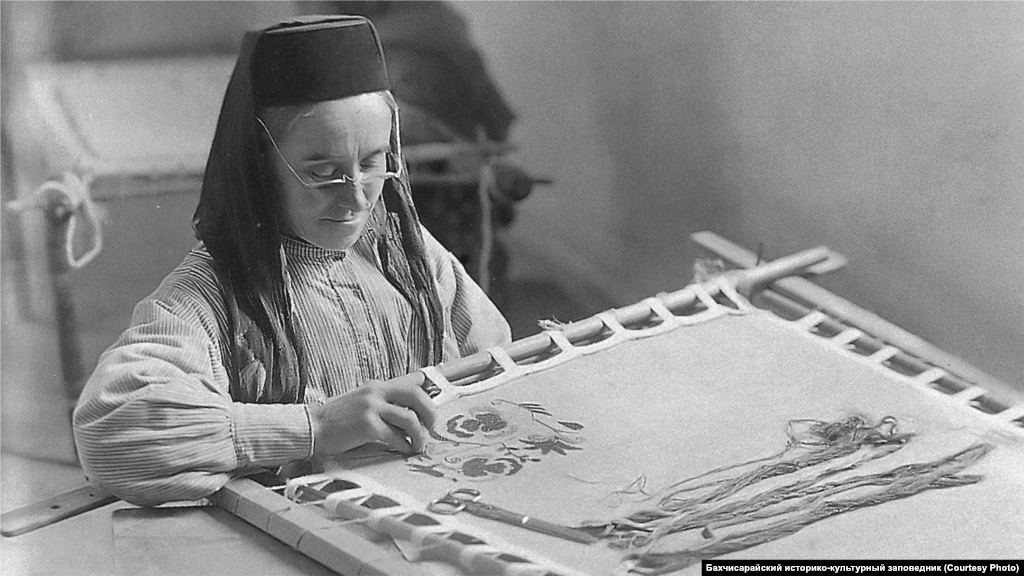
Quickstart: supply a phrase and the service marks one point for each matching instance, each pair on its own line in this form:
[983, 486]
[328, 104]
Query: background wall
[892, 132]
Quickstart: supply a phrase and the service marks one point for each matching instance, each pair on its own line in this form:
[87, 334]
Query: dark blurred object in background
[455, 123]
[434, 69]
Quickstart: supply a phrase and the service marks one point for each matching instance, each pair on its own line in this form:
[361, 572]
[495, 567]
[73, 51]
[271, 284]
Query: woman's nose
[353, 196]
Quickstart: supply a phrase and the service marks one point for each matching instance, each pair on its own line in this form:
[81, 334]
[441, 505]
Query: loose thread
[941, 475]
[737, 511]
[824, 441]
[819, 460]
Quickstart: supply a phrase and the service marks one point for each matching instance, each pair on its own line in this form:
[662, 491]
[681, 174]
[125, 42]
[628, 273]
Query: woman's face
[337, 150]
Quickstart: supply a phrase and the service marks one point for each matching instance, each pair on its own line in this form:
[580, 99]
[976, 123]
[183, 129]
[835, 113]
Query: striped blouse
[156, 423]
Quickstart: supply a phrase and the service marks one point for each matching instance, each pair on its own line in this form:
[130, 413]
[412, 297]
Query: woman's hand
[398, 416]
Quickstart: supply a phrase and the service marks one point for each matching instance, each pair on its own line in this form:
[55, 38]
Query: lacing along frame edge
[665, 312]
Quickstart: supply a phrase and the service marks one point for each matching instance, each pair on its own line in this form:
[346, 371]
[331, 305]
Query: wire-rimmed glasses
[361, 179]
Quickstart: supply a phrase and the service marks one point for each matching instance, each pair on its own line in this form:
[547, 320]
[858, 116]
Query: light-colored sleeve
[475, 320]
[155, 423]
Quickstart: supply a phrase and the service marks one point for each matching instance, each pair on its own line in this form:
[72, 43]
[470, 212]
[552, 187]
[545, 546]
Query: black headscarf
[238, 217]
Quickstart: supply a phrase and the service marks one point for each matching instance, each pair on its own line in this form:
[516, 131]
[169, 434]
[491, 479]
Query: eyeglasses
[361, 179]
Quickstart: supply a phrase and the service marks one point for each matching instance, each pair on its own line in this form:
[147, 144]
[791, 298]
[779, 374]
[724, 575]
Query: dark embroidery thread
[494, 439]
[816, 476]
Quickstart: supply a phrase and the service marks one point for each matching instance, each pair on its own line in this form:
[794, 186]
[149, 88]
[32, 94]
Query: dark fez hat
[317, 58]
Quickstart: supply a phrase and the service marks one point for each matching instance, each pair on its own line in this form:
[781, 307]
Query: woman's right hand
[396, 415]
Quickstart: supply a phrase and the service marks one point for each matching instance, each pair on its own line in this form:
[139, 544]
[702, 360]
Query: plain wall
[891, 132]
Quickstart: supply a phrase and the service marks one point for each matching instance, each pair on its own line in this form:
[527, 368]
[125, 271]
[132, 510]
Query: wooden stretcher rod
[992, 403]
[805, 291]
[750, 279]
[633, 314]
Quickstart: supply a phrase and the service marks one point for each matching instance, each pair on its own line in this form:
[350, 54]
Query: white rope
[292, 486]
[728, 289]
[968, 394]
[810, 321]
[559, 339]
[414, 546]
[433, 375]
[74, 193]
[705, 297]
[928, 376]
[619, 333]
[847, 336]
[502, 358]
[658, 307]
[884, 353]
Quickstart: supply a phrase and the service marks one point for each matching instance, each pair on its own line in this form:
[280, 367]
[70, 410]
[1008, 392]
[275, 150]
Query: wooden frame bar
[637, 313]
[812, 296]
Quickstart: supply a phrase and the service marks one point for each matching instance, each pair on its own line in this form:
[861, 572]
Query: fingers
[398, 416]
[413, 398]
[403, 423]
[393, 437]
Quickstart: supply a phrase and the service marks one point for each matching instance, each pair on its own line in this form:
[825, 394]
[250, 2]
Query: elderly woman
[312, 283]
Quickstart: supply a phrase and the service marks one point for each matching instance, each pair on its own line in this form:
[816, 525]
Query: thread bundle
[819, 474]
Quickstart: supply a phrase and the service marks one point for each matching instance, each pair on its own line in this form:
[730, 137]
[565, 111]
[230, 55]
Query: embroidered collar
[303, 250]
[300, 249]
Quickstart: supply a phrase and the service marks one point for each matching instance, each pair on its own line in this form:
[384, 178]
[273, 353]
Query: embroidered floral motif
[550, 445]
[477, 467]
[484, 422]
[495, 439]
